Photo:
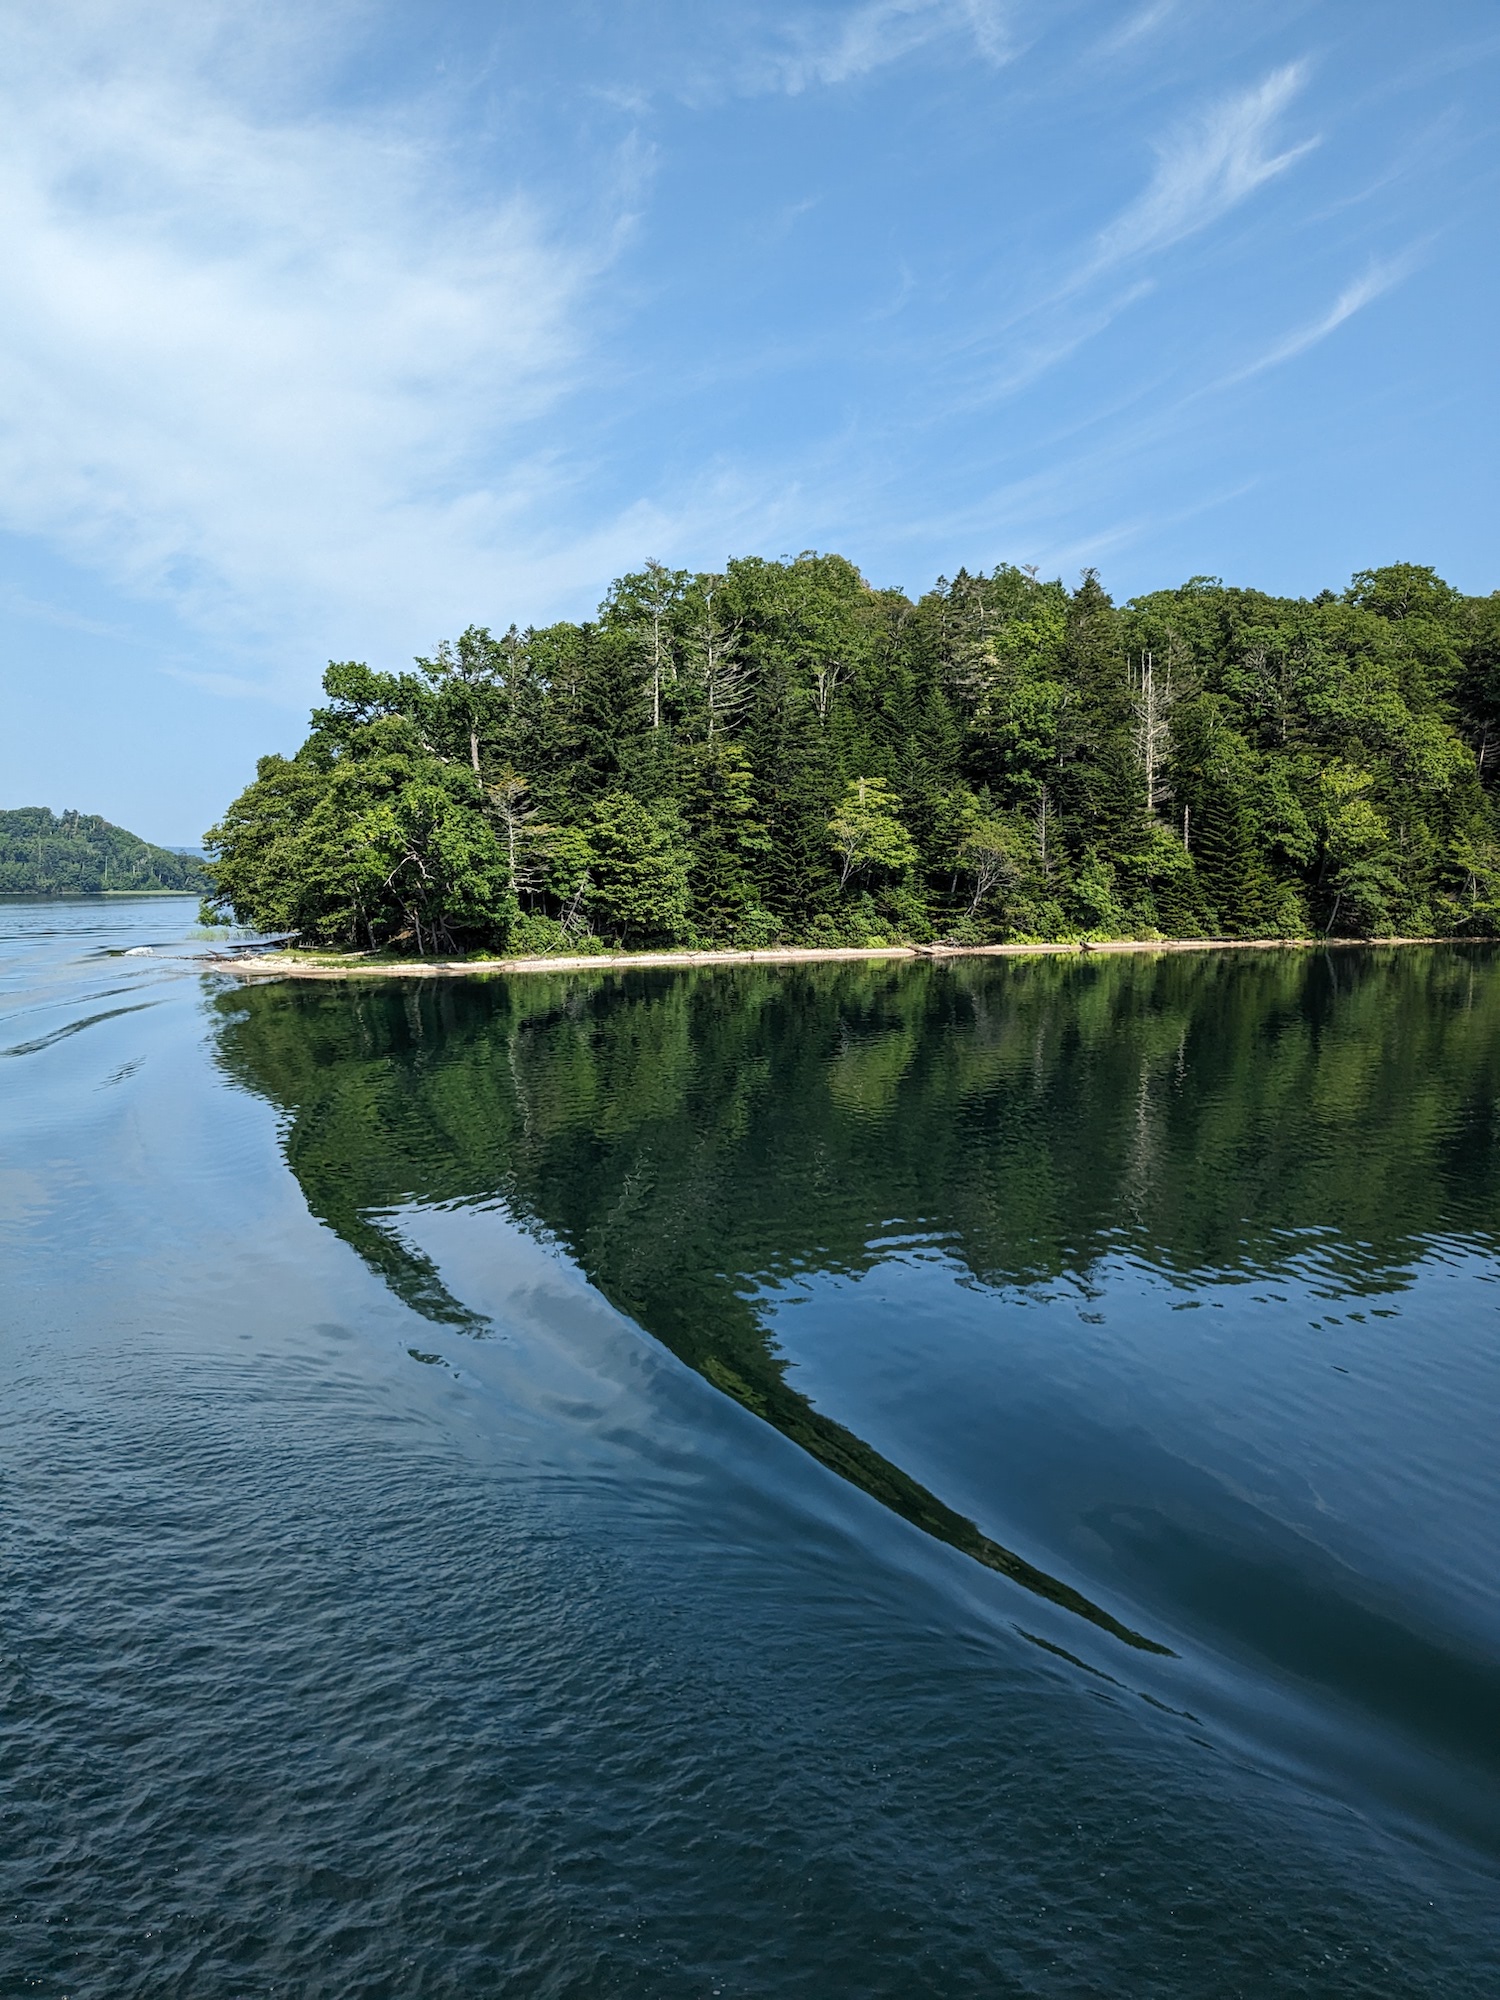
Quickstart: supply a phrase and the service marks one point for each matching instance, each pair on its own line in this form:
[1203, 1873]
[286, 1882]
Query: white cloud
[880, 32]
[254, 358]
[1207, 167]
[1143, 23]
[1354, 298]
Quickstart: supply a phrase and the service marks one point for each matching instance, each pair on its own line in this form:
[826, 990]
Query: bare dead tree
[990, 859]
[721, 673]
[1152, 697]
[569, 920]
[826, 676]
[507, 802]
[971, 666]
[1274, 680]
[1043, 824]
[657, 598]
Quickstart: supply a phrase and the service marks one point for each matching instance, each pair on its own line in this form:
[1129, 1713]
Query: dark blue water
[926, 1480]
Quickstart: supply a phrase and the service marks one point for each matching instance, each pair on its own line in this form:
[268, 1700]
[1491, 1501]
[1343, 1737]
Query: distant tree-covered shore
[43, 853]
[783, 754]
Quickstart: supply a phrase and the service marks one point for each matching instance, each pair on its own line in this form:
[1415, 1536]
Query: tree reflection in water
[692, 1137]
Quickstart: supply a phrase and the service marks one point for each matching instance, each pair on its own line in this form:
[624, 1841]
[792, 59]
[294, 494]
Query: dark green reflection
[689, 1135]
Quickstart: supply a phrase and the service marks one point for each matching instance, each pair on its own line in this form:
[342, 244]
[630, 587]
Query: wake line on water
[416, 1280]
[73, 1028]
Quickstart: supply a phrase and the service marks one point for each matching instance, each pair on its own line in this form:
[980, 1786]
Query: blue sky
[326, 329]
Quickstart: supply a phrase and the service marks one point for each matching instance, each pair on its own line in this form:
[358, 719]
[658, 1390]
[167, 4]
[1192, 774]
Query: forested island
[43, 853]
[783, 754]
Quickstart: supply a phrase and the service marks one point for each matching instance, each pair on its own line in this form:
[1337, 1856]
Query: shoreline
[91, 895]
[287, 965]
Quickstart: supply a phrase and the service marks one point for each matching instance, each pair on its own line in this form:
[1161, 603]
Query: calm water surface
[940, 1479]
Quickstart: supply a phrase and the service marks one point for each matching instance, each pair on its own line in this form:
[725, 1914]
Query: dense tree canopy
[43, 853]
[782, 753]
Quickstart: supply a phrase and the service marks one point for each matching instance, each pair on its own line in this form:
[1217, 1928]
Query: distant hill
[43, 853]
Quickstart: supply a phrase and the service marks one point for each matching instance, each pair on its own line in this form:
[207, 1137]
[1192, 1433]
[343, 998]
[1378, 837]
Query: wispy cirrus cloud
[1205, 168]
[1379, 278]
[1138, 27]
[880, 32]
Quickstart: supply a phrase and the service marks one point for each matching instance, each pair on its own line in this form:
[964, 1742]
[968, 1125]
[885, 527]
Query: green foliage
[43, 853]
[637, 891]
[365, 838]
[535, 936]
[780, 751]
[866, 832]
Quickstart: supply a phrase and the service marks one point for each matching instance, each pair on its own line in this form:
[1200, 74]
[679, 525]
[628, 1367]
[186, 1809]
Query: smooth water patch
[655, 1484]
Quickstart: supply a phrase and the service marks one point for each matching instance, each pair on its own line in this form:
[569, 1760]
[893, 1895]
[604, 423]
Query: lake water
[901, 1480]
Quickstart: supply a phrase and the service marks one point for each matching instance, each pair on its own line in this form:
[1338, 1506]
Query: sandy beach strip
[350, 965]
